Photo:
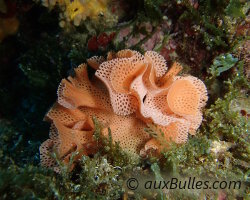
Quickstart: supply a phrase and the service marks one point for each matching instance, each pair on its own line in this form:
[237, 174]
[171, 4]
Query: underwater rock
[8, 26]
[9, 22]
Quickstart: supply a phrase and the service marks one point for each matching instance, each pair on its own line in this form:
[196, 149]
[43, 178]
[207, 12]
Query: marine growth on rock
[128, 92]
[79, 10]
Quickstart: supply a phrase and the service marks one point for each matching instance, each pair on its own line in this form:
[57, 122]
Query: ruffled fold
[129, 91]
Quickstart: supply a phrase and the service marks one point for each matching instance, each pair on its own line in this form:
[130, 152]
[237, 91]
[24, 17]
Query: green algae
[234, 9]
[92, 178]
[221, 64]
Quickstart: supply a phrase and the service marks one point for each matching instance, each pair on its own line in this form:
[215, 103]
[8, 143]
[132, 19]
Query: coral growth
[139, 91]
[78, 10]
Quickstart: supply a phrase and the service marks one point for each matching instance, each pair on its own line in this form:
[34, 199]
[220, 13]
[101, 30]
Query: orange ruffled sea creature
[129, 91]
